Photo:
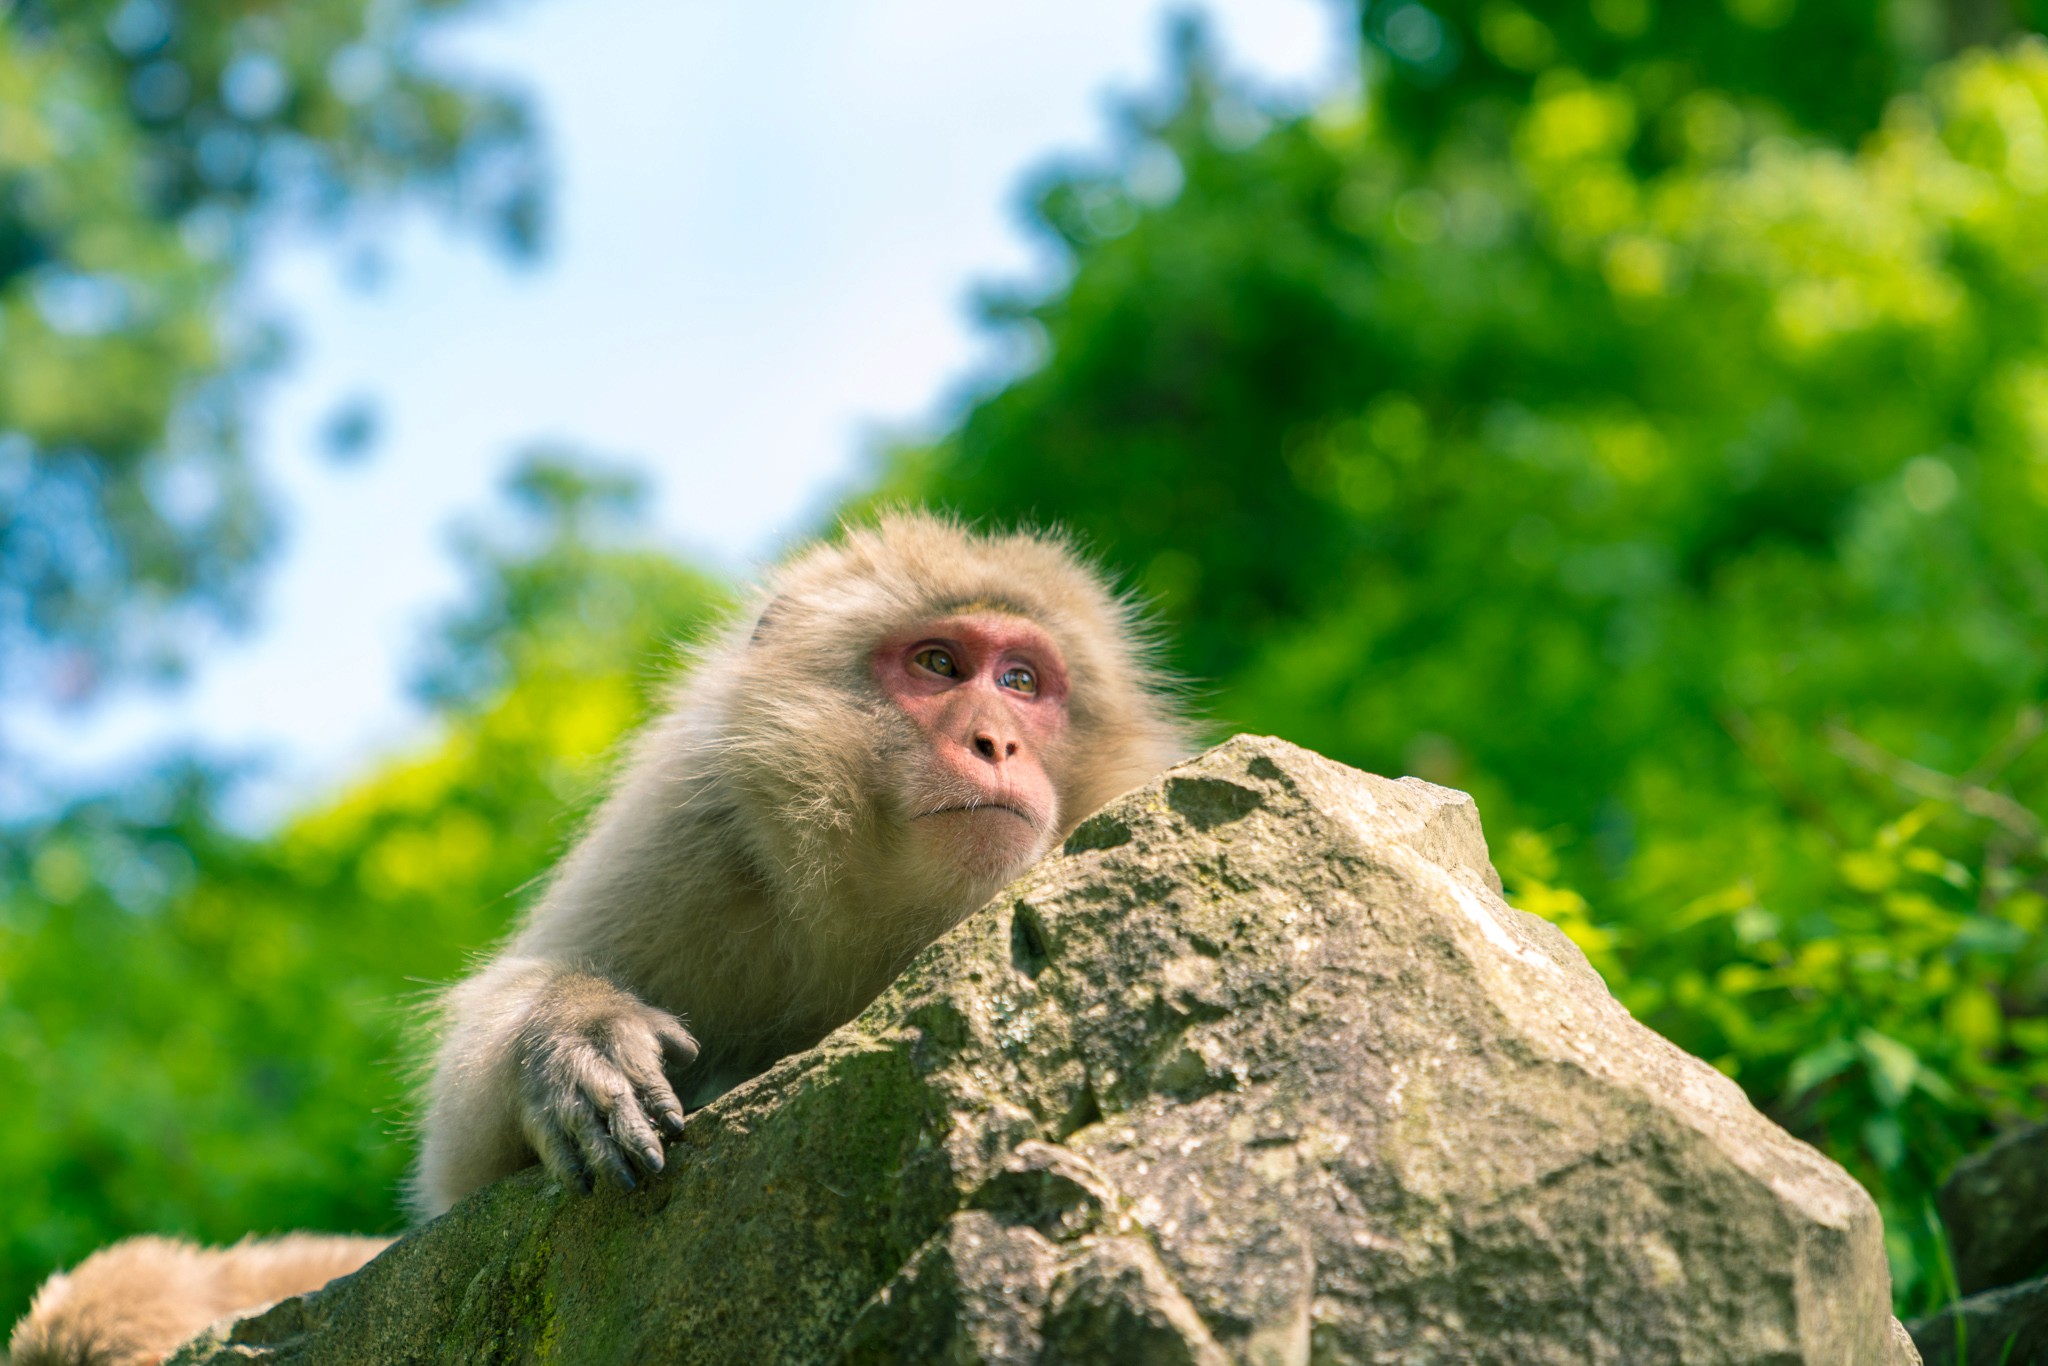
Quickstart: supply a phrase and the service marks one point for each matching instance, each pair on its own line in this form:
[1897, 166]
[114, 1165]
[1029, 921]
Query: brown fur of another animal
[130, 1304]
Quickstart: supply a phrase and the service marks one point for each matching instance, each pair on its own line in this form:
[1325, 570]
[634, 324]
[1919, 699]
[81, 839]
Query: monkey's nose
[987, 747]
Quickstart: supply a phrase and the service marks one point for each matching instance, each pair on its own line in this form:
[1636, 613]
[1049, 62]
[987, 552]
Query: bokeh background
[1634, 413]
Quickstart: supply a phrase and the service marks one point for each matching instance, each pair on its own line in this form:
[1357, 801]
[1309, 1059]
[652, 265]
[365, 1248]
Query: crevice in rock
[1104, 830]
[1206, 803]
[1029, 950]
[1086, 1110]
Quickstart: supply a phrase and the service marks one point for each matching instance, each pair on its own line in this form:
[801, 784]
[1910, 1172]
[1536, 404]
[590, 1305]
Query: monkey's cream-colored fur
[753, 871]
[759, 873]
[130, 1304]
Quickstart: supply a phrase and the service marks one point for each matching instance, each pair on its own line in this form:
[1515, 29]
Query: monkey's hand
[593, 1084]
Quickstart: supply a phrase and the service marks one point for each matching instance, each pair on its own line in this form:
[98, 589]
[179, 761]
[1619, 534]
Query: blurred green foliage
[1675, 482]
[204, 1034]
[1827, 67]
[1636, 415]
[141, 141]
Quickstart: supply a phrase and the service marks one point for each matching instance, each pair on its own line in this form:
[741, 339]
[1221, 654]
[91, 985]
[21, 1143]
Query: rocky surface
[1995, 1207]
[1261, 1070]
[2004, 1327]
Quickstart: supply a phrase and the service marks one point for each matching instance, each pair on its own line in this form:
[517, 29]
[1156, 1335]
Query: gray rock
[2006, 1327]
[1995, 1206]
[1262, 1070]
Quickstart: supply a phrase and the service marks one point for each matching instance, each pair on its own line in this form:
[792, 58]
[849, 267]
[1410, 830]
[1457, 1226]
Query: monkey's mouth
[972, 808]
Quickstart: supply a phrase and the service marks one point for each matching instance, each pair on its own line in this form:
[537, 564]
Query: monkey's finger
[610, 1125]
[631, 1131]
[561, 1159]
[601, 1154]
[610, 1091]
[658, 1099]
[679, 1043]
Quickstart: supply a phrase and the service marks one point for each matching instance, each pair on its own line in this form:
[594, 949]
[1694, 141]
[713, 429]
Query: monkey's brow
[1004, 605]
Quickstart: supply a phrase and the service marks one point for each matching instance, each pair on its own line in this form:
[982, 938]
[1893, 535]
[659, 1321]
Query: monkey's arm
[544, 1060]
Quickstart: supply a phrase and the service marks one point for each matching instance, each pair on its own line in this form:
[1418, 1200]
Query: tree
[143, 145]
[1692, 512]
[206, 1034]
[1827, 67]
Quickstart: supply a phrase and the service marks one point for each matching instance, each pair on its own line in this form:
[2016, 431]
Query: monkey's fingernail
[651, 1159]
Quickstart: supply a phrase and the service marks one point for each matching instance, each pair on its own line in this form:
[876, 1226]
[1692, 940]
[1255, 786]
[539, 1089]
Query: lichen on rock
[1260, 1069]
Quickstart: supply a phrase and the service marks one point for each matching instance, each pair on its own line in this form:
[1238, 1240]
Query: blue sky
[768, 219]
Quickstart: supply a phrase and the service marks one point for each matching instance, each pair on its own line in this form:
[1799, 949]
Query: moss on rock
[1260, 1069]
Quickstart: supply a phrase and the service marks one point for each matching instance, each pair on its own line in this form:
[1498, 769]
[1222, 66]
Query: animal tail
[132, 1303]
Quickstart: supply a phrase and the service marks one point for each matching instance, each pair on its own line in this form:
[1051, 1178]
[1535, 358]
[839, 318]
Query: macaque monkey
[907, 720]
[910, 719]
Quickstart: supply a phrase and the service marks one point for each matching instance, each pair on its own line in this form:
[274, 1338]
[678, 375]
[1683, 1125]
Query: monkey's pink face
[988, 694]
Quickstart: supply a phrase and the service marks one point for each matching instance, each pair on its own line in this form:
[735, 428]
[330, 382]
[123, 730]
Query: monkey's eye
[1017, 678]
[937, 661]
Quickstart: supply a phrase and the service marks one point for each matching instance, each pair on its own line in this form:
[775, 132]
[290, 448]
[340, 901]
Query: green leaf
[1817, 1065]
[1892, 1066]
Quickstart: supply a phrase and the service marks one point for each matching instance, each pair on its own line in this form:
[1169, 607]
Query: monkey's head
[985, 692]
[920, 712]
